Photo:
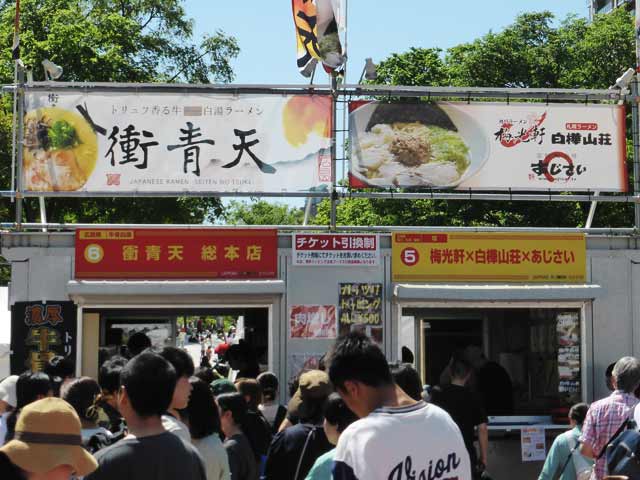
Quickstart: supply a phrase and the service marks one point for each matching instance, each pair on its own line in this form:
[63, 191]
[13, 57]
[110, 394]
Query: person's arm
[553, 462]
[286, 423]
[588, 437]
[587, 451]
[483, 441]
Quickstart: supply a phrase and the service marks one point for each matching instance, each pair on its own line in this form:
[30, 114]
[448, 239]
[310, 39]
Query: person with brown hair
[47, 444]
[82, 394]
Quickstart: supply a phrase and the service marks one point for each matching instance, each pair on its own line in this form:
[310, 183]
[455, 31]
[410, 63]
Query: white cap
[8, 390]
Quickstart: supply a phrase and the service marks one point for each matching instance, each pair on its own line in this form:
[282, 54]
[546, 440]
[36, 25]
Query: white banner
[488, 146]
[329, 249]
[173, 142]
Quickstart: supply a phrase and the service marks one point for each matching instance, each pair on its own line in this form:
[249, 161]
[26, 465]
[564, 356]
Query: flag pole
[15, 53]
[635, 114]
[18, 118]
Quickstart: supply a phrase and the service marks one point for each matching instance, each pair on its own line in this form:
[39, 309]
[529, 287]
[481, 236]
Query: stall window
[525, 361]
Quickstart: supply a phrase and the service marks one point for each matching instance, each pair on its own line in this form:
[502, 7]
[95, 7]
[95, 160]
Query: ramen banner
[488, 146]
[169, 143]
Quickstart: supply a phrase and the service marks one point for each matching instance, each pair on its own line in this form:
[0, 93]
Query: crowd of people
[154, 415]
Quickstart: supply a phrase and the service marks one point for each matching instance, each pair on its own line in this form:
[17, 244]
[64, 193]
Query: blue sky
[377, 28]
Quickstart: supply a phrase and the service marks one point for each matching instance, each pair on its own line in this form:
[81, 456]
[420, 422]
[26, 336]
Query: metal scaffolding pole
[334, 150]
[635, 134]
[346, 90]
[20, 142]
[636, 121]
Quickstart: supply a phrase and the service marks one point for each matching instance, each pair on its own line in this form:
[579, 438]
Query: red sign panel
[176, 254]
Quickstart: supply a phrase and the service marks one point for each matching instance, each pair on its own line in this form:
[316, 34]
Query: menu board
[360, 306]
[41, 331]
[568, 330]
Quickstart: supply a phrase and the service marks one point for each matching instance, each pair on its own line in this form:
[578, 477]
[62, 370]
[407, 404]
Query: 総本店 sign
[488, 146]
[129, 142]
[326, 249]
[176, 254]
[41, 331]
[489, 257]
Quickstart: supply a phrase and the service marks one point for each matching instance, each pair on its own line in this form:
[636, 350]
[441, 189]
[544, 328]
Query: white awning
[545, 292]
[168, 292]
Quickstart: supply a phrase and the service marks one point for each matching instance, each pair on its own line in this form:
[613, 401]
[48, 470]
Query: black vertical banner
[39, 332]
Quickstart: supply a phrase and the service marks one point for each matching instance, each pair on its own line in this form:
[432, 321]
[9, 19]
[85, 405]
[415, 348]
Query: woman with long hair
[204, 425]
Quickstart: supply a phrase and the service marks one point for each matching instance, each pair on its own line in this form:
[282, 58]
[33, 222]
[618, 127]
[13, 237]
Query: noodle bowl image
[407, 145]
[60, 150]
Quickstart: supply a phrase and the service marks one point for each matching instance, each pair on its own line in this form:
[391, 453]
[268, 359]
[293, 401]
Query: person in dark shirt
[242, 358]
[138, 343]
[492, 381]
[466, 410]
[256, 427]
[147, 385]
[408, 379]
[294, 450]
[233, 410]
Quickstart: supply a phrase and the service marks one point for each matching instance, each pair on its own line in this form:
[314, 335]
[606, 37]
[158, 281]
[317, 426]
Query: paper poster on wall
[328, 249]
[299, 363]
[568, 331]
[532, 440]
[312, 321]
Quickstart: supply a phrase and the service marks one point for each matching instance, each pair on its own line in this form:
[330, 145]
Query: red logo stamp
[113, 179]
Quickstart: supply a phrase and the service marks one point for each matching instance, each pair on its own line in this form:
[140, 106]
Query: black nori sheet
[426, 113]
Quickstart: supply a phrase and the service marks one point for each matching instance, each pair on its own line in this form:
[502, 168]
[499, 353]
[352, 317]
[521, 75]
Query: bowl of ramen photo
[408, 145]
[60, 150]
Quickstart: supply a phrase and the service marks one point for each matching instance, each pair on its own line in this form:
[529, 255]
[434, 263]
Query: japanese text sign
[41, 331]
[312, 321]
[327, 249]
[176, 254]
[568, 334]
[165, 142]
[360, 304]
[489, 257]
[488, 146]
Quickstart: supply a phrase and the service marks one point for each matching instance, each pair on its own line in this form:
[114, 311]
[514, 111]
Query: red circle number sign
[410, 256]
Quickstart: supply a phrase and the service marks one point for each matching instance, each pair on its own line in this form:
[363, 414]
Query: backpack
[100, 440]
[623, 450]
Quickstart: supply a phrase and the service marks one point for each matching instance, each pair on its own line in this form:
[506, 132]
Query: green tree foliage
[262, 213]
[532, 52]
[111, 41]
